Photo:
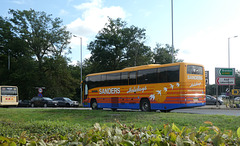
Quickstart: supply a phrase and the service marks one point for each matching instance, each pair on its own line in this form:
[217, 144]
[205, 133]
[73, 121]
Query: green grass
[15, 120]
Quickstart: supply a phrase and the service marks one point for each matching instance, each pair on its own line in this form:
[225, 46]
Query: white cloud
[93, 18]
[74, 63]
[93, 3]
[19, 2]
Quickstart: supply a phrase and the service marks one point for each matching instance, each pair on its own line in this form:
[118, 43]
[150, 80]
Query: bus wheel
[94, 104]
[145, 105]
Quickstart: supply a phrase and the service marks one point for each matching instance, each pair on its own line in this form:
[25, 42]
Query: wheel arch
[92, 101]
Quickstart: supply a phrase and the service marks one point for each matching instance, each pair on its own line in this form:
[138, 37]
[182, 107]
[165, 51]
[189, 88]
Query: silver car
[210, 100]
[65, 102]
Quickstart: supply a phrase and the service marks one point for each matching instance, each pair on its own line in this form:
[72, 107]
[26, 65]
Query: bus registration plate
[195, 99]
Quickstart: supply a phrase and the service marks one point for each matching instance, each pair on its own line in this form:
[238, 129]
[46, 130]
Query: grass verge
[40, 121]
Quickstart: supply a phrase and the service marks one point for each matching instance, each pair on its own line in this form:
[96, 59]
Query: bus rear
[9, 96]
[193, 89]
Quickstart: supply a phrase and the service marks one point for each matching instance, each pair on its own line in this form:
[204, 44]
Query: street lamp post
[80, 67]
[172, 31]
[229, 50]
[9, 60]
[229, 58]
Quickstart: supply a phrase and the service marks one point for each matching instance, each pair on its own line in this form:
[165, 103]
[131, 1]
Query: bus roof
[136, 68]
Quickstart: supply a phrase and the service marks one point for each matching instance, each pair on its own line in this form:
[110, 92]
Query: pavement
[225, 107]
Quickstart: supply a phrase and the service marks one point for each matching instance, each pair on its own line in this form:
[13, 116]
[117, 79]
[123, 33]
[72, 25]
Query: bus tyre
[145, 105]
[94, 104]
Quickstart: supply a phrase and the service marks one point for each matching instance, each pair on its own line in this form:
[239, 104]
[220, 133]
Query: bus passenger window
[124, 78]
[132, 78]
[147, 76]
[113, 79]
[162, 75]
[173, 73]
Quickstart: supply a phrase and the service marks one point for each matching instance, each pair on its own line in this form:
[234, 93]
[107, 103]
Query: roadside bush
[120, 134]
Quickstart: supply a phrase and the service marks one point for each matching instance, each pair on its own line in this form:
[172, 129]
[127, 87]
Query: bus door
[85, 92]
[131, 99]
[115, 102]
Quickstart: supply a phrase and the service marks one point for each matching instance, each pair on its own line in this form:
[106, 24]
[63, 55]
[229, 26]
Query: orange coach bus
[147, 87]
[8, 96]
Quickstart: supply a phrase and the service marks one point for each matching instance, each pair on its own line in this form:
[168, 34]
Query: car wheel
[67, 105]
[145, 105]
[32, 105]
[45, 105]
[94, 104]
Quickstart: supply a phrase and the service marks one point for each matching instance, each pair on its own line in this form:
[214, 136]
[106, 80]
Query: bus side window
[162, 75]
[132, 78]
[124, 78]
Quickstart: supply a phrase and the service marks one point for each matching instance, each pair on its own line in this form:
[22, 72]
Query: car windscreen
[67, 99]
[47, 98]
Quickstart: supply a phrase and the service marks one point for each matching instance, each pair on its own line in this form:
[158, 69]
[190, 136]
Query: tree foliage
[163, 54]
[43, 35]
[117, 46]
[36, 43]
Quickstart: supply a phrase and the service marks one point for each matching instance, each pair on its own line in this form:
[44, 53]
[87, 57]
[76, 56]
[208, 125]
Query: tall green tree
[162, 54]
[237, 76]
[43, 34]
[59, 78]
[118, 46]
[136, 52]
[36, 42]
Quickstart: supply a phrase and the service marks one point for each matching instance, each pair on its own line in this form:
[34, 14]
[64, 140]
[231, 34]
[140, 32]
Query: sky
[201, 28]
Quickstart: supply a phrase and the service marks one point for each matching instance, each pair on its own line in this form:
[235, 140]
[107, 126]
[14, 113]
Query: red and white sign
[40, 90]
[225, 81]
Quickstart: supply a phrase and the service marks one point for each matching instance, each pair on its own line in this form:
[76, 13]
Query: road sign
[225, 81]
[40, 90]
[207, 77]
[235, 91]
[224, 72]
[39, 94]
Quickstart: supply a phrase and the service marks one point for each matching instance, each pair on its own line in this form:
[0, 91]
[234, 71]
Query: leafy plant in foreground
[120, 134]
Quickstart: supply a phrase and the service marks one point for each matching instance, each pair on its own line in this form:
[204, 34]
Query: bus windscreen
[8, 90]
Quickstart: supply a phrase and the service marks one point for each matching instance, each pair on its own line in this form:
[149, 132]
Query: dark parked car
[43, 101]
[24, 103]
[64, 101]
[210, 100]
